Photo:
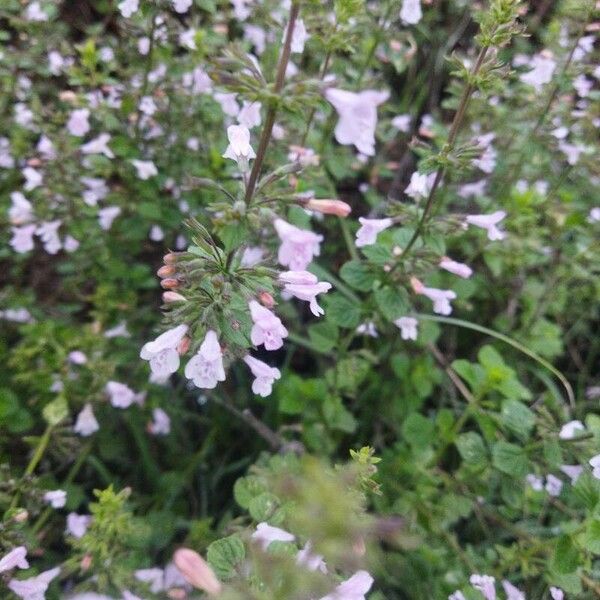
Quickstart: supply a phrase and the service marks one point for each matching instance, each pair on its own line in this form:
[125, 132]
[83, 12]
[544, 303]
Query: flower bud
[170, 258]
[184, 345]
[169, 297]
[86, 562]
[21, 516]
[166, 271]
[169, 283]
[329, 207]
[417, 285]
[34, 162]
[359, 547]
[266, 299]
[68, 96]
[196, 571]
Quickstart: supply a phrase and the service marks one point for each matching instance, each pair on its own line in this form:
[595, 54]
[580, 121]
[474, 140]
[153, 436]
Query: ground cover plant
[300, 299]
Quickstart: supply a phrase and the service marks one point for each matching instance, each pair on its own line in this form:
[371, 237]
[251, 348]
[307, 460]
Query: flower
[228, 103]
[162, 352]
[205, 368]
[145, 168]
[86, 422]
[542, 69]
[402, 123]
[99, 145]
[457, 595]
[411, 12]
[329, 207]
[153, 577]
[299, 37]
[249, 115]
[128, 7]
[196, 571]
[298, 246]
[489, 222]
[22, 238]
[181, 6]
[21, 210]
[305, 286]
[595, 464]
[569, 430]
[33, 178]
[485, 584]
[264, 376]
[147, 105]
[77, 524]
[572, 472]
[353, 588]
[15, 558]
[358, 117]
[33, 588]
[78, 124]
[313, 562]
[420, 185]
[536, 483]
[457, 268]
[367, 328]
[56, 498]
[252, 256]
[34, 12]
[369, 229]
[265, 535]
[107, 215]
[512, 593]
[239, 148]
[553, 485]
[267, 329]
[161, 423]
[48, 232]
[556, 593]
[440, 298]
[120, 395]
[408, 327]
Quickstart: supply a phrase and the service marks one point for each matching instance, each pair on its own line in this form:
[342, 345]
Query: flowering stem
[454, 129]
[265, 137]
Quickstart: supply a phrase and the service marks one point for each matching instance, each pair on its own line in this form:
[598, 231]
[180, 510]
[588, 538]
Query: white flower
[457, 595]
[33, 178]
[187, 39]
[305, 286]
[353, 588]
[594, 216]
[536, 483]
[267, 328]
[46, 148]
[162, 352]
[240, 10]
[299, 37]
[411, 12]
[408, 327]
[228, 103]
[120, 395]
[128, 7]
[56, 498]
[77, 524]
[542, 69]
[573, 472]
[239, 148]
[569, 430]
[252, 256]
[553, 485]
[98, 145]
[154, 577]
[96, 190]
[556, 593]
[161, 423]
[440, 298]
[264, 376]
[512, 593]
[249, 115]
[107, 215]
[78, 124]
[298, 246]
[595, 464]
[15, 558]
[86, 422]
[402, 123]
[358, 117]
[205, 368]
[181, 6]
[313, 562]
[489, 222]
[485, 584]
[34, 12]
[22, 239]
[370, 229]
[367, 328]
[145, 168]
[420, 185]
[33, 588]
[21, 210]
[147, 105]
[456, 268]
[265, 534]
[156, 233]
[48, 232]
[119, 330]
[77, 357]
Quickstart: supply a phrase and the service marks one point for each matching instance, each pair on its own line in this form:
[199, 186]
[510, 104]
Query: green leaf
[56, 411]
[566, 556]
[225, 555]
[247, 488]
[323, 335]
[510, 459]
[358, 275]
[418, 430]
[516, 417]
[393, 303]
[472, 448]
[341, 311]
[337, 416]
[261, 507]
[592, 537]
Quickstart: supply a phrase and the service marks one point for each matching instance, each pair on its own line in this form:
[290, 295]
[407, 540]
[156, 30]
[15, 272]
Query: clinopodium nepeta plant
[379, 225]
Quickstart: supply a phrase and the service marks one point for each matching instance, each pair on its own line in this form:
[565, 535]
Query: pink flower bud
[359, 547]
[417, 285]
[86, 562]
[329, 207]
[169, 283]
[266, 299]
[196, 571]
[184, 345]
[170, 259]
[21, 516]
[169, 297]
[166, 271]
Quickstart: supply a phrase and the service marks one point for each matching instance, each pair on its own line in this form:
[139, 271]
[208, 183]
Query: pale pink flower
[595, 464]
[307, 157]
[535, 483]
[370, 229]
[572, 151]
[145, 168]
[6, 159]
[256, 36]
[77, 524]
[22, 239]
[457, 595]
[411, 12]
[239, 148]
[408, 327]
[252, 256]
[33, 588]
[46, 148]
[542, 69]
[77, 357]
[249, 115]
[556, 593]
[70, 244]
[147, 105]
[402, 123]
[313, 562]
[96, 190]
[553, 485]
[420, 185]
[267, 329]
[240, 10]
[265, 535]
[34, 12]
[161, 423]
[99, 145]
[56, 498]
[357, 117]
[569, 430]
[187, 39]
[486, 584]
[594, 216]
[353, 588]
[156, 233]
[48, 232]
[78, 124]
[120, 395]
[162, 352]
[228, 103]
[298, 246]
[196, 571]
[264, 376]
[21, 210]
[456, 268]
[199, 82]
[143, 45]
[367, 328]
[573, 472]
[205, 368]
[86, 422]
[299, 37]
[489, 223]
[15, 558]
[440, 298]
[181, 6]
[153, 576]
[33, 178]
[305, 286]
[107, 215]
[512, 592]
[128, 7]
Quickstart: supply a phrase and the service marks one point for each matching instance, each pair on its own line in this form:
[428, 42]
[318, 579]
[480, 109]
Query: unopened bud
[169, 283]
[177, 594]
[21, 516]
[86, 562]
[68, 96]
[170, 258]
[184, 345]
[196, 571]
[329, 207]
[359, 547]
[169, 297]
[34, 162]
[166, 271]
[397, 251]
[417, 285]
[266, 299]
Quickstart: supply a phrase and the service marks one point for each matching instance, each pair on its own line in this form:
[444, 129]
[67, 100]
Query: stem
[454, 129]
[265, 137]
[147, 69]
